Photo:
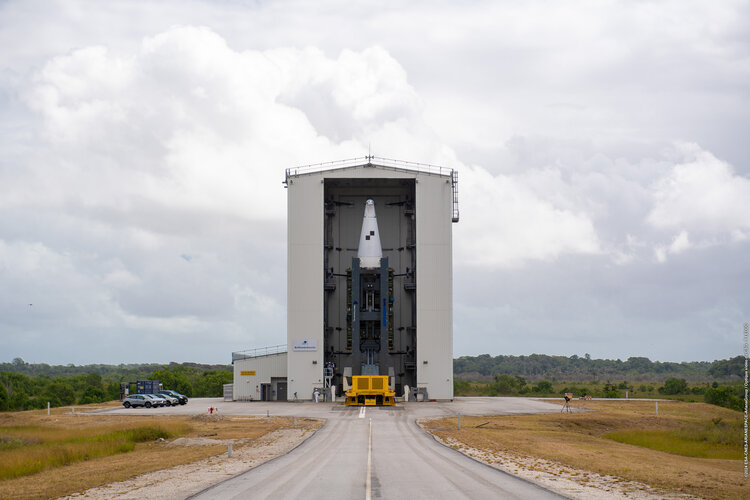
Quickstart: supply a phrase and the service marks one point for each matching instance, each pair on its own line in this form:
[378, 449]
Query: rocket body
[369, 252]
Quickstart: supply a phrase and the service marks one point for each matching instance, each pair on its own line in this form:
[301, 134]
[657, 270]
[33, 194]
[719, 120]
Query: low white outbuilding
[260, 374]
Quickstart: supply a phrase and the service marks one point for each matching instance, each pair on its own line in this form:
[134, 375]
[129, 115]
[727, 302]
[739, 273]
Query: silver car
[156, 400]
[171, 400]
[135, 400]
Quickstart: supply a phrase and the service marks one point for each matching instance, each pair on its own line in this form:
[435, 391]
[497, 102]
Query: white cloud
[505, 224]
[189, 123]
[701, 193]
[681, 243]
[738, 235]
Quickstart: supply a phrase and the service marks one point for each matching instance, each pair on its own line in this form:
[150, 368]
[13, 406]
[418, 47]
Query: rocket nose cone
[370, 209]
[369, 251]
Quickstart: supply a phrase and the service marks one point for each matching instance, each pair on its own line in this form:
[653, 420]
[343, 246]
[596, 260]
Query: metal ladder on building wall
[454, 188]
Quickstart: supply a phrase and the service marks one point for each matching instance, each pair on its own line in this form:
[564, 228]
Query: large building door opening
[370, 299]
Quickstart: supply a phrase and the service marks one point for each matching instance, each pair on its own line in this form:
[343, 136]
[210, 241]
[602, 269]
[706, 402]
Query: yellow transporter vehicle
[370, 390]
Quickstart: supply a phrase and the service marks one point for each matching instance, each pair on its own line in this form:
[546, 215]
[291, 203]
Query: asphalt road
[369, 453]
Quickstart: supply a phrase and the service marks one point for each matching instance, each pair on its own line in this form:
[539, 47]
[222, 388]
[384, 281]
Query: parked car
[156, 400]
[137, 400]
[181, 397]
[171, 400]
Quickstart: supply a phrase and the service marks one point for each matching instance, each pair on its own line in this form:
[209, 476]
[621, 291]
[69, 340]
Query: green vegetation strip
[21, 455]
[716, 440]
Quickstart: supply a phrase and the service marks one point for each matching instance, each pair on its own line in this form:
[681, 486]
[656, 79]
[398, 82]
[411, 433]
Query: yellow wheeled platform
[370, 390]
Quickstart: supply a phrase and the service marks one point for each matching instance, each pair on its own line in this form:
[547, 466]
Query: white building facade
[410, 332]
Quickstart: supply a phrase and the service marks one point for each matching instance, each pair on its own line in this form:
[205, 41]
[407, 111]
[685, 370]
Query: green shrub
[507, 384]
[576, 391]
[92, 395]
[461, 387]
[674, 386]
[726, 397]
[543, 387]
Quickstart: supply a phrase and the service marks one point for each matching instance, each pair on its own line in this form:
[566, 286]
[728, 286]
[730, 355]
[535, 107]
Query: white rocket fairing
[369, 252]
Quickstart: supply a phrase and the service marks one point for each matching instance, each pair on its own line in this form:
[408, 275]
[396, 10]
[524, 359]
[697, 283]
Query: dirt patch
[204, 417]
[201, 441]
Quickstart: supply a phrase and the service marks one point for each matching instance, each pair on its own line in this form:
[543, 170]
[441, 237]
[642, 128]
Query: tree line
[25, 386]
[727, 394]
[574, 368]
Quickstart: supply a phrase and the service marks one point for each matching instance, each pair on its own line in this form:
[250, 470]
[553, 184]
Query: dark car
[181, 397]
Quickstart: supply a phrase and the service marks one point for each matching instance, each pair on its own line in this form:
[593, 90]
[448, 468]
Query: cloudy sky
[602, 149]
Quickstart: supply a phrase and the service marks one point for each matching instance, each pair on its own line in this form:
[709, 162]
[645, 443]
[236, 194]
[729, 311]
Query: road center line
[362, 411]
[368, 481]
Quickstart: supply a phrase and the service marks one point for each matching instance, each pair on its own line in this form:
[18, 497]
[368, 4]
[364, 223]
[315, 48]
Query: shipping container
[148, 387]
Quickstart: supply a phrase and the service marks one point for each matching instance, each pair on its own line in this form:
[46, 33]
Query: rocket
[369, 252]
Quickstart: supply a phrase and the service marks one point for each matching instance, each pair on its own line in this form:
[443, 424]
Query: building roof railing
[368, 161]
[378, 161]
[261, 351]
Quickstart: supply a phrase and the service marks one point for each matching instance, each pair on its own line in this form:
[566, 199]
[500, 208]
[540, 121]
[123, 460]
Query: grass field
[688, 447]
[49, 456]
[28, 449]
[711, 440]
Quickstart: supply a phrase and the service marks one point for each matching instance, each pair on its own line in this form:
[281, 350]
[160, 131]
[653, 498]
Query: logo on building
[305, 345]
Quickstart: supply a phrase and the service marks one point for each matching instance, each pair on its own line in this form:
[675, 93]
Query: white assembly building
[370, 283]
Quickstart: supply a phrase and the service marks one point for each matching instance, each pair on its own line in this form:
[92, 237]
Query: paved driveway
[369, 453]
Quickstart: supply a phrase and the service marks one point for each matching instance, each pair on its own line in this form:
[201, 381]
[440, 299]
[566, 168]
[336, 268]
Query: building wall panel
[247, 387]
[434, 287]
[305, 283]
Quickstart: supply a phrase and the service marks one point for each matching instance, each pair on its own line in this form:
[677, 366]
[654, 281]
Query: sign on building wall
[305, 345]
[247, 372]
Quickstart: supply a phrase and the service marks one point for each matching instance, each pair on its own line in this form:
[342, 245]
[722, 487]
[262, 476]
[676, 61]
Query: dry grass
[33, 434]
[580, 440]
[33, 448]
